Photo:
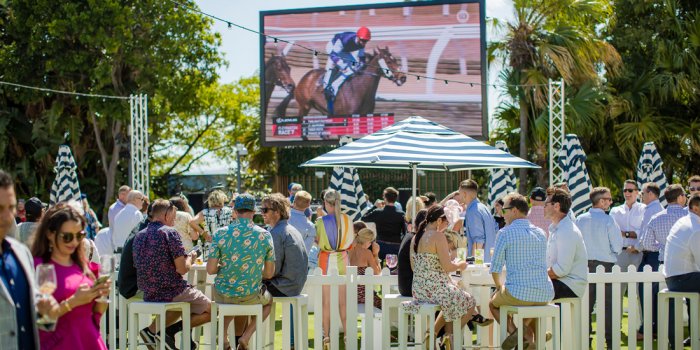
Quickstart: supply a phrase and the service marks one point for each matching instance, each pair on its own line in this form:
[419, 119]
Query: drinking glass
[479, 256]
[46, 279]
[391, 260]
[462, 254]
[106, 269]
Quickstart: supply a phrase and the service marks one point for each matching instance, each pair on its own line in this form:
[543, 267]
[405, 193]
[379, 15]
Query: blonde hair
[217, 198]
[455, 239]
[332, 197]
[365, 235]
[303, 198]
[418, 203]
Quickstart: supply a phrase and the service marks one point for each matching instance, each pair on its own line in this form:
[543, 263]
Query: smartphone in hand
[197, 249]
[101, 280]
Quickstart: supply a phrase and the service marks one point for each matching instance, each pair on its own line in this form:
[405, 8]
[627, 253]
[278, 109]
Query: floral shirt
[242, 249]
[155, 250]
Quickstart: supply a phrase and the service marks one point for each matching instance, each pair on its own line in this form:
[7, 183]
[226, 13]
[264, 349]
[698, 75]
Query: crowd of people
[545, 249]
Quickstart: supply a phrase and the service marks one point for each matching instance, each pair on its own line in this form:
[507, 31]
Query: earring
[50, 248]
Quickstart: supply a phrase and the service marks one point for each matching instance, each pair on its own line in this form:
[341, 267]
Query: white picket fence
[373, 333]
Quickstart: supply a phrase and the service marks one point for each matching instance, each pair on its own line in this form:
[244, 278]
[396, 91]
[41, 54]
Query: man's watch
[627, 234]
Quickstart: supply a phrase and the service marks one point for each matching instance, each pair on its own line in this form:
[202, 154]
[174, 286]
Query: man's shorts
[263, 298]
[199, 303]
[502, 297]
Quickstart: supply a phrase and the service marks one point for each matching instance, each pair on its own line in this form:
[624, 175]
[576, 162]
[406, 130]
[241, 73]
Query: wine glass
[46, 279]
[391, 260]
[106, 269]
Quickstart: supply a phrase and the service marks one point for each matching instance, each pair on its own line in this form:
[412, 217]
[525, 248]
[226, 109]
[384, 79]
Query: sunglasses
[265, 210]
[68, 237]
[694, 188]
[505, 208]
[629, 190]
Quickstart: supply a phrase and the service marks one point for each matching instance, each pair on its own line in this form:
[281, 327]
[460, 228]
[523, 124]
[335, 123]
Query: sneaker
[170, 342]
[150, 339]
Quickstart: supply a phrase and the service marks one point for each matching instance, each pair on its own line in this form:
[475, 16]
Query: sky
[241, 48]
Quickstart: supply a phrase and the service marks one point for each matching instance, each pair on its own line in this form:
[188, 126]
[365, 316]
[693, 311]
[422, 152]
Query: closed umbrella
[501, 180]
[417, 143]
[347, 182]
[650, 169]
[573, 160]
[65, 187]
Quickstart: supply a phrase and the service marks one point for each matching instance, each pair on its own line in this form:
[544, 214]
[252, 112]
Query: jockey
[346, 51]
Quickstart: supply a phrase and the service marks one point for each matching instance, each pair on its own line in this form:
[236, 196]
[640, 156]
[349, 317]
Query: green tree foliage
[230, 115]
[111, 47]
[657, 94]
[551, 39]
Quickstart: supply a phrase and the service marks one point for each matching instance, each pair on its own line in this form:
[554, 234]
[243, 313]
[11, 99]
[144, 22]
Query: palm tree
[551, 39]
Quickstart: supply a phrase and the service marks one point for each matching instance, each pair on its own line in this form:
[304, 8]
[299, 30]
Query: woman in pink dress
[58, 241]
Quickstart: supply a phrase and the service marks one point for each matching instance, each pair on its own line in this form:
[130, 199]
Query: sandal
[326, 343]
[481, 321]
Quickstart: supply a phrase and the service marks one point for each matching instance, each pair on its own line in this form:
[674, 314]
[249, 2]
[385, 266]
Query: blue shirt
[17, 285]
[601, 234]
[522, 248]
[567, 256]
[654, 237]
[653, 208]
[291, 259]
[300, 221]
[344, 43]
[480, 227]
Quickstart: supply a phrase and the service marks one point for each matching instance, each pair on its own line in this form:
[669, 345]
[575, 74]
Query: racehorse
[277, 72]
[357, 94]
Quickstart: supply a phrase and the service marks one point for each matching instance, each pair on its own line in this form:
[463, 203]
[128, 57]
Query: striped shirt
[654, 238]
[653, 208]
[522, 248]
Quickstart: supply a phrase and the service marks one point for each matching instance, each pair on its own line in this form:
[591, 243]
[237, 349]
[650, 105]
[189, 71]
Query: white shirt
[682, 254]
[114, 209]
[567, 256]
[629, 219]
[103, 242]
[124, 222]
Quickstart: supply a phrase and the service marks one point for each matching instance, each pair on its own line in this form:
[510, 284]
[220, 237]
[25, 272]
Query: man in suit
[18, 306]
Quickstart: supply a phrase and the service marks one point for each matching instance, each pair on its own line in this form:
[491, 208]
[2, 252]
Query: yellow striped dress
[334, 241]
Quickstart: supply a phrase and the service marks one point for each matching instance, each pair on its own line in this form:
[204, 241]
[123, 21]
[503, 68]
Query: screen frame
[482, 31]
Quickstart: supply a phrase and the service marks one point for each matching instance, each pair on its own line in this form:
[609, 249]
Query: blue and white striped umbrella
[573, 160]
[416, 140]
[502, 180]
[65, 187]
[352, 197]
[417, 143]
[650, 169]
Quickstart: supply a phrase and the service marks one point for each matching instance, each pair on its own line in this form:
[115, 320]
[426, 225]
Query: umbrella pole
[414, 168]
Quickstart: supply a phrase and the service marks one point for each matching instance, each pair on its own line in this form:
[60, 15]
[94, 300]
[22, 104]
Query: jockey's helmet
[364, 34]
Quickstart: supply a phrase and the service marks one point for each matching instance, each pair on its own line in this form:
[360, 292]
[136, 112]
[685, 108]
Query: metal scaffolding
[138, 133]
[556, 130]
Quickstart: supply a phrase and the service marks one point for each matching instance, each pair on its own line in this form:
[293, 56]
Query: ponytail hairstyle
[332, 197]
[433, 215]
[51, 223]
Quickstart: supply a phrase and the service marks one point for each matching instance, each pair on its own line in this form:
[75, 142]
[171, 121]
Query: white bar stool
[540, 313]
[571, 321]
[159, 309]
[664, 300]
[390, 302]
[425, 311]
[300, 315]
[219, 311]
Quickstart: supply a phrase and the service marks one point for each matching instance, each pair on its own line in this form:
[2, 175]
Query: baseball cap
[33, 207]
[538, 194]
[244, 202]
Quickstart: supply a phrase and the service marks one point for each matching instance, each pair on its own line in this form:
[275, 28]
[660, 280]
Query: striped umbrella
[501, 180]
[417, 143]
[347, 182]
[65, 187]
[650, 169]
[573, 160]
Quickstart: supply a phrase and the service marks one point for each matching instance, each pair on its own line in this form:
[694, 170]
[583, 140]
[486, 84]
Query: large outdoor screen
[420, 59]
